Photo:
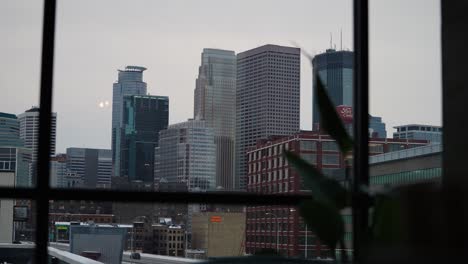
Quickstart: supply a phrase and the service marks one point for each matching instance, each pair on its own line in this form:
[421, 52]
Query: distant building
[186, 154]
[267, 99]
[17, 160]
[73, 180]
[29, 130]
[58, 170]
[215, 103]
[143, 117]
[335, 69]
[415, 131]
[168, 240]
[129, 82]
[219, 234]
[104, 244]
[13, 154]
[10, 131]
[377, 127]
[29, 133]
[408, 166]
[270, 173]
[7, 179]
[94, 166]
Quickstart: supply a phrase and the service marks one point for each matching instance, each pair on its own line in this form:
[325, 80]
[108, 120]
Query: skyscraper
[29, 130]
[335, 68]
[186, 154]
[267, 98]
[29, 134]
[215, 103]
[377, 127]
[94, 166]
[129, 82]
[143, 117]
[9, 130]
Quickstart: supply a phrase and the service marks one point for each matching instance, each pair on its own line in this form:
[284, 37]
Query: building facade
[377, 127]
[335, 69]
[94, 166]
[58, 170]
[129, 82]
[168, 240]
[270, 173]
[143, 117]
[29, 134]
[219, 234]
[10, 131]
[214, 102]
[186, 154]
[267, 99]
[415, 131]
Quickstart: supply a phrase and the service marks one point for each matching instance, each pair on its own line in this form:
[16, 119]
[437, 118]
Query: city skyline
[77, 97]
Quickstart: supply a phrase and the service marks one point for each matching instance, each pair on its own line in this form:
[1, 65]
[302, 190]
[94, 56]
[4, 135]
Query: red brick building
[269, 172]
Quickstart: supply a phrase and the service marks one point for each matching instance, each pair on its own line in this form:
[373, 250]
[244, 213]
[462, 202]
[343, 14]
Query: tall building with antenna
[129, 82]
[335, 69]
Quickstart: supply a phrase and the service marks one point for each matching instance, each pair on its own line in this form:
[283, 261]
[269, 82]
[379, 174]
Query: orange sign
[216, 219]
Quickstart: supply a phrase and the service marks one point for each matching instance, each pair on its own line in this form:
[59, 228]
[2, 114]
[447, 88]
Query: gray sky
[94, 38]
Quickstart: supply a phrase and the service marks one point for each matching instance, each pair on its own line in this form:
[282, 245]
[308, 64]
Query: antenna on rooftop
[341, 38]
[331, 40]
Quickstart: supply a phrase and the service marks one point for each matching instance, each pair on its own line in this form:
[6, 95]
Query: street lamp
[277, 231]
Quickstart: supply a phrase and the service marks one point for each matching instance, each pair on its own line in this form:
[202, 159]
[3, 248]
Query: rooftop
[7, 115]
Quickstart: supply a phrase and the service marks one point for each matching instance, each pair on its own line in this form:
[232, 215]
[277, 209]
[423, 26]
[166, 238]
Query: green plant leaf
[330, 121]
[324, 189]
[387, 220]
[325, 220]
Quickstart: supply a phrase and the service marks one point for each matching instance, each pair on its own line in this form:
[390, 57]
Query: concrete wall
[7, 179]
[220, 234]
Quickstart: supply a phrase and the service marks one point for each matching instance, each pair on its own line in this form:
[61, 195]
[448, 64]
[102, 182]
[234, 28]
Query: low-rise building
[219, 234]
[168, 240]
[281, 227]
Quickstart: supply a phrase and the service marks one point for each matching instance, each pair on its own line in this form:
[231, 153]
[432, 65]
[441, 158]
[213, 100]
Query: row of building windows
[406, 177]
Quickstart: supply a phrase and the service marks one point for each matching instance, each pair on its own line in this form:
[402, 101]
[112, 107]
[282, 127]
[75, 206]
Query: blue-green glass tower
[335, 68]
[143, 117]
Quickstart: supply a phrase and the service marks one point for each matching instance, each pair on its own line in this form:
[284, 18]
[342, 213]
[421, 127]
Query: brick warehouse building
[269, 172]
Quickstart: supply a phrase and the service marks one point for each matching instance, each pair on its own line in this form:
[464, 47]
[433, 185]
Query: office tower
[267, 98]
[29, 130]
[335, 69]
[415, 131]
[94, 166]
[377, 127]
[10, 131]
[129, 82]
[186, 154]
[143, 117]
[58, 170]
[29, 134]
[215, 95]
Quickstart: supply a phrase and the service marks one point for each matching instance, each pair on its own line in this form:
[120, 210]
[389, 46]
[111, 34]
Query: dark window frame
[41, 193]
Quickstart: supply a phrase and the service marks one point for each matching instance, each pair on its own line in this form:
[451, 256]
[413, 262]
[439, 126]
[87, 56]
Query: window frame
[41, 193]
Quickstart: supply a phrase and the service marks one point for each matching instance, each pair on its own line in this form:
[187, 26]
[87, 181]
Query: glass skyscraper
[335, 69]
[186, 155]
[377, 127]
[267, 99]
[215, 103]
[129, 82]
[143, 117]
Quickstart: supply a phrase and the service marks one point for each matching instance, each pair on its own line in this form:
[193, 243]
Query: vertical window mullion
[361, 122]
[45, 120]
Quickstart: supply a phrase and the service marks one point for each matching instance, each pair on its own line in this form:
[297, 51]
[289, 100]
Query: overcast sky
[94, 38]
